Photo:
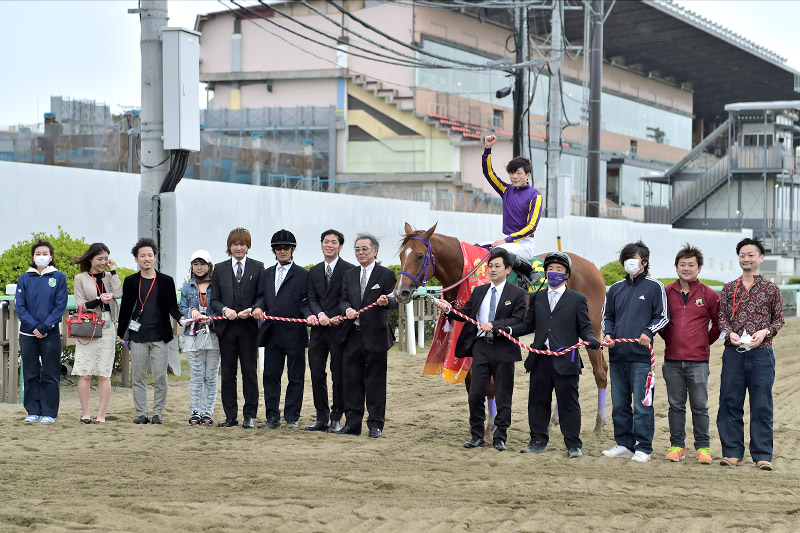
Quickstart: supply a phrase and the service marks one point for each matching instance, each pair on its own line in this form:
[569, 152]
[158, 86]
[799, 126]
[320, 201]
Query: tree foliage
[16, 260]
[612, 272]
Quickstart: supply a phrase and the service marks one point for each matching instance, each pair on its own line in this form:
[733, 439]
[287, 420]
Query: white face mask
[41, 261]
[631, 266]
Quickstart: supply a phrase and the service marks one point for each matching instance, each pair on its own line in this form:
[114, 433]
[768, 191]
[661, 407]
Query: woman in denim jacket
[199, 340]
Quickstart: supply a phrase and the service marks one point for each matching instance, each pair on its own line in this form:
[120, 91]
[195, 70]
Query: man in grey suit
[558, 316]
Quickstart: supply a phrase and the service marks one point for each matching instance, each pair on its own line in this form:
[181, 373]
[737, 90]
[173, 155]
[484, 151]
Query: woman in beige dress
[97, 290]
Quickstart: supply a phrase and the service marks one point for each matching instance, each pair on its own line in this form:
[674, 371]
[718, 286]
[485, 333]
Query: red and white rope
[651, 376]
[206, 319]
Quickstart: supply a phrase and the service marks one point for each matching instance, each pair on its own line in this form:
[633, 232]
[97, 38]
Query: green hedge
[16, 260]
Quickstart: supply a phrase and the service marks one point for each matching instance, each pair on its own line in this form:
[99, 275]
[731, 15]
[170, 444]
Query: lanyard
[735, 307]
[203, 298]
[148, 291]
[99, 292]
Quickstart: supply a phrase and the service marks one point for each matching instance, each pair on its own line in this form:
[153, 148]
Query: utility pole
[154, 158]
[554, 114]
[595, 92]
[520, 89]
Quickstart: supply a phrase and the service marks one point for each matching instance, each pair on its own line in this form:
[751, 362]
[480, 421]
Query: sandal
[86, 420]
[730, 461]
[764, 465]
[194, 420]
[99, 422]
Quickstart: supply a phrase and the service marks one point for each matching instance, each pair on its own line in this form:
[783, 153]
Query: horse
[426, 254]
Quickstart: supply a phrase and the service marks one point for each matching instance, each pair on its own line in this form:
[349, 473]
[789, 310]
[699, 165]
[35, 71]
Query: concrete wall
[40, 198]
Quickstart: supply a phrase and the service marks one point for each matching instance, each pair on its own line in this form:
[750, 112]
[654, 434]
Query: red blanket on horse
[441, 357]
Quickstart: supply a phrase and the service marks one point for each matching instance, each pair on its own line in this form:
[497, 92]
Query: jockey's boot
[524, 271]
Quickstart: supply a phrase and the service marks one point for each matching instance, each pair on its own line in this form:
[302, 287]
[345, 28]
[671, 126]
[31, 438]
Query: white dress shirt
[233, 264]
[559, 292]
[284, 269]
[483, 310]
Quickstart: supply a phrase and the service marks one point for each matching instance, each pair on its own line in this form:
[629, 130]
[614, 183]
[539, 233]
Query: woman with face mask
[200, 341]
[40, 303]
[96, 290]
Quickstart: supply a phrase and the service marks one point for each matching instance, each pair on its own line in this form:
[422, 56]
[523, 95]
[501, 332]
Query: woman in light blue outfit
[199, 340]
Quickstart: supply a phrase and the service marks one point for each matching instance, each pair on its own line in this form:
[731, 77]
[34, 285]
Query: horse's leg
[554, 418]
[488, 434]
[600, 371]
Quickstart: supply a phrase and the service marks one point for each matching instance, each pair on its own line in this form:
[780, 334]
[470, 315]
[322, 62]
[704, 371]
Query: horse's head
[417, 263]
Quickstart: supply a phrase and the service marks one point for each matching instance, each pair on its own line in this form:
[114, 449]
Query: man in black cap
[558, 316]
[285, 295]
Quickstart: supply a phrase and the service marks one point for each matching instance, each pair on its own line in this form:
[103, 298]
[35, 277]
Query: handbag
[203, 339]
[84, 324]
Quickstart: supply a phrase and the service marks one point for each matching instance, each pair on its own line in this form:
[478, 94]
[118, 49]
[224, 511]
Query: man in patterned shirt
[522, 207]
[750, 315]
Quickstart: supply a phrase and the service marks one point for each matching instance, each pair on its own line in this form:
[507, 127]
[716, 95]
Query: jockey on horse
[522, 208]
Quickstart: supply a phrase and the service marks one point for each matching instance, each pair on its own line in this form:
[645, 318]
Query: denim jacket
[190, 297]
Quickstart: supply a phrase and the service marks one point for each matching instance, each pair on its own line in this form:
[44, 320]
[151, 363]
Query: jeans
[690, 377]
[204, 368]
[633, 427]
[750, 372]
[41, 373]
[155, 355]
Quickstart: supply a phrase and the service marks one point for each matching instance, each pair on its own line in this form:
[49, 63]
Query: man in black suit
[366, 337]
[324, 294]
[284, 295]
[558, 316]
[237, 292]
[495, 305]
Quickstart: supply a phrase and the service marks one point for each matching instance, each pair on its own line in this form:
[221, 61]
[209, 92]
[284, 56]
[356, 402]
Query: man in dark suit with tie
[495, 305]
[558, 316]
[237, 293]
[285, 295]
[367, 338]
[324, 294]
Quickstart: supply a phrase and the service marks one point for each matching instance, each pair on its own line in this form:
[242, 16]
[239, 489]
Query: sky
[90, 49]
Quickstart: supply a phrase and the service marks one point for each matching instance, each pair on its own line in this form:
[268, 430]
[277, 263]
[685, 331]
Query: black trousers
[239, 345]
[503, 373]
[295, 359]
[545, 378]
[321, 345]
[364, 380]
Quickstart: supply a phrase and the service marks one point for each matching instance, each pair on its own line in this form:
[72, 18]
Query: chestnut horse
[425, 254]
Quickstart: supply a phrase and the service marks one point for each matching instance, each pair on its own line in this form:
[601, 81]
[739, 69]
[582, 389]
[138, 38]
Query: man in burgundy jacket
[692, 307]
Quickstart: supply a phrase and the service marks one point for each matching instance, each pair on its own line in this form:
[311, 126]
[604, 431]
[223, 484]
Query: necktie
[553, 295]
[238, 271]
[363, 281]
[279, 280]
[492, 304]
[328, 274]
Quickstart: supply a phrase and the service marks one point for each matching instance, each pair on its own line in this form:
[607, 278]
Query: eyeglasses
[282, 247]
[363, 249]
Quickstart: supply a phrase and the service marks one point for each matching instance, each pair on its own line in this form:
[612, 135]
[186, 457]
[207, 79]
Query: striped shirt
[522, 206]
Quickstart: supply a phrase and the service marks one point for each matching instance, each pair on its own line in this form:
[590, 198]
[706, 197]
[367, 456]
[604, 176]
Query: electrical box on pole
[181, 71]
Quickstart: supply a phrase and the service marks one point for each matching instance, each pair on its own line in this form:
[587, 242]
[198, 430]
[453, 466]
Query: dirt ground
[418, 477]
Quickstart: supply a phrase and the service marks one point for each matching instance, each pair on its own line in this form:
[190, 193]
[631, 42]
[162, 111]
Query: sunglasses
[282, 247]
[363, 249]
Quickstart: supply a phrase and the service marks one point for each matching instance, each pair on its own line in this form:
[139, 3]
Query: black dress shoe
[534, 447]
[228, 423]
[319, 425]
[499, 445]
[270, 424]
[141, 419]
[347, 430]
[475, 443]
[293, 425]
[248, 423]
[334, 426]
[374, 433]
[156, 420]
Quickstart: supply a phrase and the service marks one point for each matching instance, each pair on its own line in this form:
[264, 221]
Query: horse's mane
[407, 237]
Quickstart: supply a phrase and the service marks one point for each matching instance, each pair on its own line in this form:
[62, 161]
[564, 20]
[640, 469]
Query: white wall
[101, 206]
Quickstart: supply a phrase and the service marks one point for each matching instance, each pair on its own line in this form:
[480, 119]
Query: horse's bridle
[430, 260]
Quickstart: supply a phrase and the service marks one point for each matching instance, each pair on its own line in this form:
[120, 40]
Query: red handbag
[85, 324]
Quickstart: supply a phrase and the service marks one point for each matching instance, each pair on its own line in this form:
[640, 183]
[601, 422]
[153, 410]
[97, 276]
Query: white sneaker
[641, 457]
[618, 451]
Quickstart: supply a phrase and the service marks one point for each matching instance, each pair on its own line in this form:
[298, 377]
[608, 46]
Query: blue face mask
[556, 278]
